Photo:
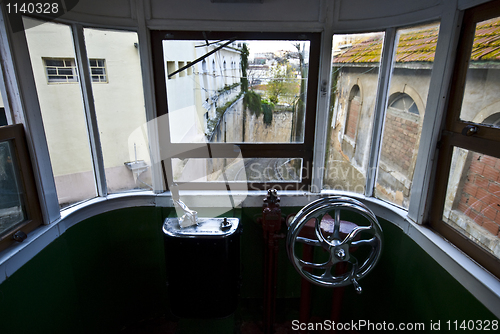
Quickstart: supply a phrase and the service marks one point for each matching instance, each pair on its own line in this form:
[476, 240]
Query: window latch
[19, 236]
[470, 130]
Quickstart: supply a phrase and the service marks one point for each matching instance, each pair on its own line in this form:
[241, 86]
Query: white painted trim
[442, 71]
[381, 23]
[384, 79]
[3, 88]
[214, 25]
[96, 18]
[97, 21]
[149, 96]
[99, 205]
[322, 110]
[465, 4]
[89, 106]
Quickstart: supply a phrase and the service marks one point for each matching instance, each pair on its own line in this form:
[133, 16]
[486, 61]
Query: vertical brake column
[271, 225]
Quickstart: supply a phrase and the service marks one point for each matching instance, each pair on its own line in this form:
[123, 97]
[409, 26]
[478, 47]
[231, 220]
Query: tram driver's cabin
[249, 166]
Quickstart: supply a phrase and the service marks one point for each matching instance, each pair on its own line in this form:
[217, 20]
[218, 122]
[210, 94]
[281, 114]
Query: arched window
[353, 111]
[401, 134]
[404, 103]
[493, 120]
[224, 73]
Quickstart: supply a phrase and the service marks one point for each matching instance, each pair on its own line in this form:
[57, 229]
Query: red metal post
[271, 224]
[305, 288]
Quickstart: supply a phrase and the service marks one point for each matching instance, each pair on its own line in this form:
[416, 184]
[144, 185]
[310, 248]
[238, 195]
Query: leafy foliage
[244, 82]
[244, 66]
[267, 109]
[284, 85]
[219, 112]
[228, 88]
[252, 101]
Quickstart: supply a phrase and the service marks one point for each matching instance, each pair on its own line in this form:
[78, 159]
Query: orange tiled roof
[487, 41]
[419, 45]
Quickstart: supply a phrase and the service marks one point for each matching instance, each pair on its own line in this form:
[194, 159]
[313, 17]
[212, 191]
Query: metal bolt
[340, 254]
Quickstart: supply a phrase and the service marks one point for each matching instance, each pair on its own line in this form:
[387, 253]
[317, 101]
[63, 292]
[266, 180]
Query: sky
[270, 46]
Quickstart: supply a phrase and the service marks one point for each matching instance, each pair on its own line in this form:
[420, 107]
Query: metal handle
[470, 130]
[19, 236]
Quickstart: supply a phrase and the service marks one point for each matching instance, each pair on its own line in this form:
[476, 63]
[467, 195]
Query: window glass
[407, 97]
[355, 69]
[51, 49]
[19, 207]
[237, 170]
[121, 117]
[481, 98]
[12, 209]
[252, 92]
[3, 114]
[473, 198]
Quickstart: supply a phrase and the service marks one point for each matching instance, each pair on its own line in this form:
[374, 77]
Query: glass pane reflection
[12, 211]
[355, 69]
[473, 198]
[246, 91]
[408, 92]
[480, 102]
[237, 170]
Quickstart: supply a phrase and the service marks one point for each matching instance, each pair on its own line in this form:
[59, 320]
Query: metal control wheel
[339, 239]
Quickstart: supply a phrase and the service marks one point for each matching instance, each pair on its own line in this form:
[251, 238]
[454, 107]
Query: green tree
[244, 83]
[244, 66]
[284, 86]
[267, 110]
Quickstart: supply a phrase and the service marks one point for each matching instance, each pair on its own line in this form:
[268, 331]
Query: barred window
[64, 70]
[98, 70]
[60, 70]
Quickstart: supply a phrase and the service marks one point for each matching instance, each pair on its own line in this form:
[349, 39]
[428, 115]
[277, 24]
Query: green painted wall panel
[119, 268]
[41, 297]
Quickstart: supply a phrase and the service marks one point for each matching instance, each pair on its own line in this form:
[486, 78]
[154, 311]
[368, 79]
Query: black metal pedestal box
[203, 267]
